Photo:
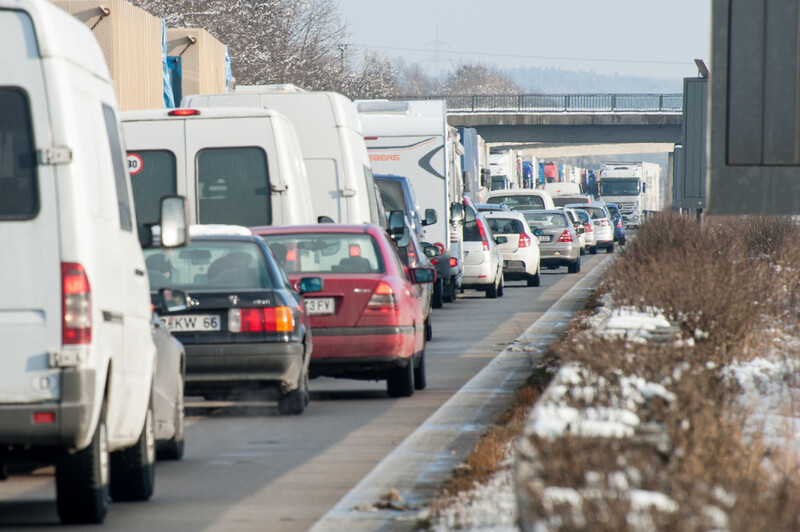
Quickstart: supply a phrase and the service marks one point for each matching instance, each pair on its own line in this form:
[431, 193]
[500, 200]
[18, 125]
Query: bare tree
[413, 80]
[471, 78]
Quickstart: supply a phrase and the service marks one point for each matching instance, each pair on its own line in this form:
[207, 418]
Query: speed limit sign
[134, 163]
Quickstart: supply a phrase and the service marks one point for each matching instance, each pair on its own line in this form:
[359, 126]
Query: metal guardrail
[564, 103]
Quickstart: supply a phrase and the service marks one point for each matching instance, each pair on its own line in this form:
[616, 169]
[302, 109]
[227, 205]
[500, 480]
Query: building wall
[203, 62]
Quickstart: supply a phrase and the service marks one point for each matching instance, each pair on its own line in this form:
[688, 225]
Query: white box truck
[234, 166]
[332, 143]
[412, 139]
[635, 188]
[78, 357]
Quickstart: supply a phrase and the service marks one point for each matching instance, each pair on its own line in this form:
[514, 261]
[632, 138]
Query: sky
[628, 37]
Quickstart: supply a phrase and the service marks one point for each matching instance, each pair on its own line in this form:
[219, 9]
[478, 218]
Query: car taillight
[383, 299]
[76, 305]
[453, 262]
[524, 240]
[483, 236]
[434, 261]
[588, 228]
[566, 236]
[269, 319]
[412, 256]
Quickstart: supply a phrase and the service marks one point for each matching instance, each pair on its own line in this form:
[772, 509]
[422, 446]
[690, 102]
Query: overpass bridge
[561, 120]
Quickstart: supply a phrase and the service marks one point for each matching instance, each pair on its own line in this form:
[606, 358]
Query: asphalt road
[247, 468]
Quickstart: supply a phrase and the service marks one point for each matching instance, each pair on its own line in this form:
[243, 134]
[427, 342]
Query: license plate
[320, 306]
[544, 238]
[195, 322]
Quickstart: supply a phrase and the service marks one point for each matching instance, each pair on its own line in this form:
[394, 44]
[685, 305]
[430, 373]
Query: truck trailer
[634, 187]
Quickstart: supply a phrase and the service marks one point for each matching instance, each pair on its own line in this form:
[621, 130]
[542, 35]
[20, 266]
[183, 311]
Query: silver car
[559, 244]
[168, 387]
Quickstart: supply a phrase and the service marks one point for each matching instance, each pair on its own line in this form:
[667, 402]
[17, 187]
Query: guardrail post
[613, 102]
[474, 100]
[566, 102]
[660, 102]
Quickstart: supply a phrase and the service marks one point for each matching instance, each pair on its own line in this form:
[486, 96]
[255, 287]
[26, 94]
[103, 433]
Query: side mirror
[580, 230]
[430, 217]
[501, 240]
[309, 285]
[469, 215]
[325, 220]
[431, 252]
[403, 238]
[396, 222]
[172, 300]
[422, 275]
[456, 213]
[538, 232]
[174, 226]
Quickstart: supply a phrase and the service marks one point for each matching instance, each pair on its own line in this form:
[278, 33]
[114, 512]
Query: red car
[368, 321]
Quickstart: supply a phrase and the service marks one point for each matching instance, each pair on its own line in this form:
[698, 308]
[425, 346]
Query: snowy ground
[770, 393]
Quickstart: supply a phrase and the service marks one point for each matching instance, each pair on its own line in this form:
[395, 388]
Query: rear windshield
[392, 195]
[543, 220]
[560, 201]
[209, 265]
[19, 197]
[152, 177]
[594, 212]
[233, 187]
[506, 226]
[518, 201]
[326, 252]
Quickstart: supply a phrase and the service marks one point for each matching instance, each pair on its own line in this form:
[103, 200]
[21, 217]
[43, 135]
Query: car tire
[437, 298]
[449, 291]
[420, 379]
[82, 480]
[610, 248]
[173, 448]
[502, 288]
[428, 329]
[593, 250]
[491, 292]
[400, 381]
[574, 267]
[535, 280]
[583, 251]
[294, 403]
[133, 469]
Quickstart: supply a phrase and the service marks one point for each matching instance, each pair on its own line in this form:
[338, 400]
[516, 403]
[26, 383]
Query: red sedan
[368, 321]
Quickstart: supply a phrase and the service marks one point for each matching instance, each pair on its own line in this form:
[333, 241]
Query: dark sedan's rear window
[506, 226]
[209, 265]
[326, 252]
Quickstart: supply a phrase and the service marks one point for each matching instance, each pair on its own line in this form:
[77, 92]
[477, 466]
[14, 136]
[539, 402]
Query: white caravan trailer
[78, 357]
[412, 139]
[234, 166]
[339, 172]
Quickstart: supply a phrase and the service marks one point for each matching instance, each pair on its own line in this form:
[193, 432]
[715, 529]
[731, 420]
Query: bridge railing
[564, 103]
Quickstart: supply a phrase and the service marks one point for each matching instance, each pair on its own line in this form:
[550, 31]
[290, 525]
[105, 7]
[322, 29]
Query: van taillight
[76, 305]
[566, 236]
[184, 112]
[453, 262]
[383, 299]
[270, 319]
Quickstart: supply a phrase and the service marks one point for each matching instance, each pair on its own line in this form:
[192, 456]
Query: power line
[523, 56]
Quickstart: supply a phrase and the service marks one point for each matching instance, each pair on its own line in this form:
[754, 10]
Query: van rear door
[30, 274]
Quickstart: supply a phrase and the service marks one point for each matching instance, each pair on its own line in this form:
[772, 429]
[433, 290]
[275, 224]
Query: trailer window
[233, 187]
[19, 198]
[152, 177]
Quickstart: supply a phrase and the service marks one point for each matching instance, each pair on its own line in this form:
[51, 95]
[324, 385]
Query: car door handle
[139, 272]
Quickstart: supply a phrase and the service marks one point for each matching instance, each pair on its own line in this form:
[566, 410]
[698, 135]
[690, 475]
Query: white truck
[412, 139]
[635, 188]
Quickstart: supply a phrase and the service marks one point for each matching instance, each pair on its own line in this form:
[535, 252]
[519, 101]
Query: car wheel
[82, 481]
[133, 469]
[400, 381]
[420, 379]
[535, 280]
[583, 251]
[437, 300]
[173, 448]
[574, 267]
[610, 248]
[491, 292]
[294, 403]
[428, 329]
[502, 288]
[450, 291]
[593, 250]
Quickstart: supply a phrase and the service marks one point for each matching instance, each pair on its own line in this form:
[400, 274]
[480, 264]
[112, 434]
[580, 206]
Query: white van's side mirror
[174, 218]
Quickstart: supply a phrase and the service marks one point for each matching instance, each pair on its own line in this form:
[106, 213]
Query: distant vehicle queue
[282, 234]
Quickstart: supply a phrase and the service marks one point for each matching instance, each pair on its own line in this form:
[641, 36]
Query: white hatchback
[483, 263]
[521, 250]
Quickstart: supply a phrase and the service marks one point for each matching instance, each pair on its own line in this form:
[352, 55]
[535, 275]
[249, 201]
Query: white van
[234, 166]
[332, 143]
[75, 318]
[563, 188]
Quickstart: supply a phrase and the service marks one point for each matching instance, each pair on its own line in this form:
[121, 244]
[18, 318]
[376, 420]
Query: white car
[577, 222]
[601, 223]
[483, 263]
[521, 199]
[521, 251]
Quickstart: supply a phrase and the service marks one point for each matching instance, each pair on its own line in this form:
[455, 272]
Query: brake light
[355, 250]
[44, 418]
[184, 112]
[269, 319]
[434, 261]
[588, 227]
[453, 262]
[483, 236]
[524, 241]
[383, 299]
[566, 236]
[76, 305]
